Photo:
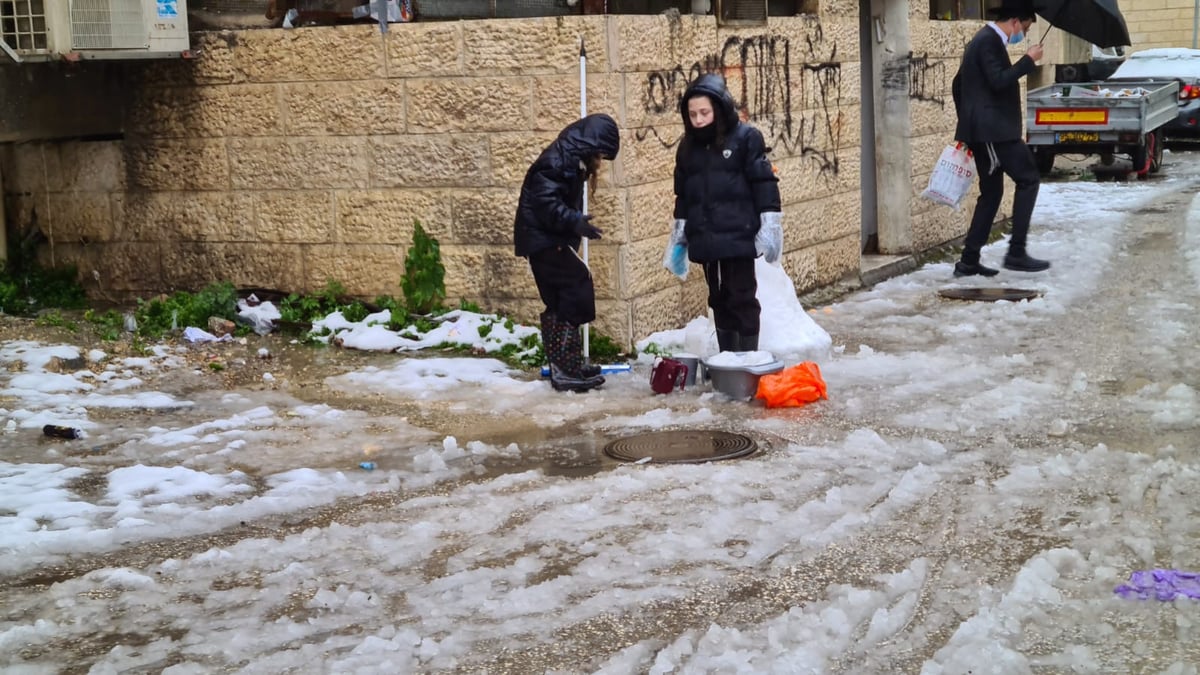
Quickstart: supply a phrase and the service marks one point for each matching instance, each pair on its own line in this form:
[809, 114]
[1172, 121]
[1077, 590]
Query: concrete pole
[892, 65]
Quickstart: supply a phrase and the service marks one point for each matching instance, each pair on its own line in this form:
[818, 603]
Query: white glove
[677, 232]
[769, 241]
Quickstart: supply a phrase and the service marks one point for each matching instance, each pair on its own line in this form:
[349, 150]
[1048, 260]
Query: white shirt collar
[999, 31]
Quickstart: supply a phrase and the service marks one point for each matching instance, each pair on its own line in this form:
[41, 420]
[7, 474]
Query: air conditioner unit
[42, 30]
[741, 12]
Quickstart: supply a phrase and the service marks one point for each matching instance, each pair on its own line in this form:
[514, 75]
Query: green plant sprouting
[424, 281]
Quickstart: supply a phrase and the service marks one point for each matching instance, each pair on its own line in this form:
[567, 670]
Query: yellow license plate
[1072, 116]
[1076, 137]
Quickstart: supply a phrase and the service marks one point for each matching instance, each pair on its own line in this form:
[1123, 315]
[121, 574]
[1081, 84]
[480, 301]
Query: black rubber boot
[547, 319]
[746, 343]
[726, 340]
[565, 352]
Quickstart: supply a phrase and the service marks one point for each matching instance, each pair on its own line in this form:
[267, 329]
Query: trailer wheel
[1156, 157]
[1147, 157]
[1044, 159]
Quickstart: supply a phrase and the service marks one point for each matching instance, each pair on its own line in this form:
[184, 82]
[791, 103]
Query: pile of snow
[785, 329]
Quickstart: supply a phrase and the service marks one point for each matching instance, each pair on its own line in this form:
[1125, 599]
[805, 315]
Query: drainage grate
[675, 447]
[988, 294]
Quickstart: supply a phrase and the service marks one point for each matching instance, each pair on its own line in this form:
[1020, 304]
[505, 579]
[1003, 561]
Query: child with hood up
[549, 228]
[726, 207]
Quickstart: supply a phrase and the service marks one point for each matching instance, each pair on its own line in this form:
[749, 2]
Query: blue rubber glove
[675, 258]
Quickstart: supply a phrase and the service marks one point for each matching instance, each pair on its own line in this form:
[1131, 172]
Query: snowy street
[981, 479]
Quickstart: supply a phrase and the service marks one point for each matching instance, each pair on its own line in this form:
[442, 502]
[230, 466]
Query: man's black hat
[1012, 9]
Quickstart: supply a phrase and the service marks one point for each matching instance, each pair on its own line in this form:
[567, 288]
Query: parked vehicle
[1101, 118]
[1104, 62]
[1174, 64]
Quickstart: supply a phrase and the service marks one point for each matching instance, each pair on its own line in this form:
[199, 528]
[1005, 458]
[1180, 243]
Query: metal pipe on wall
[869, 215]
[3, 225]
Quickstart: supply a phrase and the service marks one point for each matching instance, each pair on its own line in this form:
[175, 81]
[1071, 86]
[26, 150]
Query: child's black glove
[584, 227]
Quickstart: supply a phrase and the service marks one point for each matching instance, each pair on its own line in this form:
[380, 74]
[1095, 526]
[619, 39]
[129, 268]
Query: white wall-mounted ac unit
[41, 30]
[741, 12]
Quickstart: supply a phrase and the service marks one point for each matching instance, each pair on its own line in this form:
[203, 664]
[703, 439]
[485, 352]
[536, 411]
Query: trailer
[1104, 118]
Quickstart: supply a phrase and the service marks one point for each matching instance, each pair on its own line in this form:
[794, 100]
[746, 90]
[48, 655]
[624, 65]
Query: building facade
[285, 158]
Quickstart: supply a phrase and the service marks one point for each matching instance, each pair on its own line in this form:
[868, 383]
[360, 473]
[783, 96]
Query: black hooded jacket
[552, 195]
[721, 188]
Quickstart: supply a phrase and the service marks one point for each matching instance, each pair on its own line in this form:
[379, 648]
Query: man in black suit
[987, 98]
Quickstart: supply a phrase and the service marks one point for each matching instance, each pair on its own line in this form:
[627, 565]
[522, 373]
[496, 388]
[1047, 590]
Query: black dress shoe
[1025, 263]
[966, 269]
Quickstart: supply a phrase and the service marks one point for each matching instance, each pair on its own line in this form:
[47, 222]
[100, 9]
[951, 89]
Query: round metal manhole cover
[989, 294]
[667, 447]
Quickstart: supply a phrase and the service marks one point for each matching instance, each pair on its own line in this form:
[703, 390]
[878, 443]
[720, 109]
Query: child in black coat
[548, 230]
[726, 207]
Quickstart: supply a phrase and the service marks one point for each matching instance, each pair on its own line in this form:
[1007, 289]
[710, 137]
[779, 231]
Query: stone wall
[287, 158]
[1160, 23]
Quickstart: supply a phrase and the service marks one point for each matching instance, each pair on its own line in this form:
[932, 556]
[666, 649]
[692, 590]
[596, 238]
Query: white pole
[382, 9]
[582, 114]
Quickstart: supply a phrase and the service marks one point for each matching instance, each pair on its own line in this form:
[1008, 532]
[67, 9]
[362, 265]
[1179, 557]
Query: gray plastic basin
[740, 382]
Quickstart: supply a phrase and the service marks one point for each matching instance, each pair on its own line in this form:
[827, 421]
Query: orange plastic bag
[792, 387]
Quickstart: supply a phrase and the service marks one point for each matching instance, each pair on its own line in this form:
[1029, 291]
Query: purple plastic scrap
[1160, 585]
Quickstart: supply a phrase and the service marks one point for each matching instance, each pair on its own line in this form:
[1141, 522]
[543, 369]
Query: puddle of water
[577, 456]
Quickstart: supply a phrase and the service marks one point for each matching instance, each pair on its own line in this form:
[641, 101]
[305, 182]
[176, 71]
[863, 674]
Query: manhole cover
[988, 294]
[666, 447]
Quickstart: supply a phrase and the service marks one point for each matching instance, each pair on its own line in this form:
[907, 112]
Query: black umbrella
[1097, 21]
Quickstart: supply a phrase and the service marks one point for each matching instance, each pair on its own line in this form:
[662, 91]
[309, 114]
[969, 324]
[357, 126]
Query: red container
[667, 375]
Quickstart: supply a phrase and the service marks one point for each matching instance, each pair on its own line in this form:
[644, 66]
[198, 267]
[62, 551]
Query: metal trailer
[1059, 123]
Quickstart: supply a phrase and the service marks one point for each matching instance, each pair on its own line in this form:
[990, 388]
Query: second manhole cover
[988, 294]
[666, 447]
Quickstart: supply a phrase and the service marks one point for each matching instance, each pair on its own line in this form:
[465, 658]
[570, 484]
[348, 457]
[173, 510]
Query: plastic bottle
[367, 466]
[56, 431]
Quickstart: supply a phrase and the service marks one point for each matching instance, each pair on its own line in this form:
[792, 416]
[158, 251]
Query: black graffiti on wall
[793, 99]
[923, 78]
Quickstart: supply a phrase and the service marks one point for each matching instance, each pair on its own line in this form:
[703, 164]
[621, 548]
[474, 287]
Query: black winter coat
[551, 199]
[720, 189]
[987, 90]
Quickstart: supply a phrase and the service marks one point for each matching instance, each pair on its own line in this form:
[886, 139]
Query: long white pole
[582, 114]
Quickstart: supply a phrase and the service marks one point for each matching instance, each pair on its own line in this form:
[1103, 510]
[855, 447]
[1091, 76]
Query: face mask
[706, 134]
[1016, 37]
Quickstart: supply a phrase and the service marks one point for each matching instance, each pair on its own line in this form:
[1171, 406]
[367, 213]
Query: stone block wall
[1160, 23]
[937, 50]
[287, 158]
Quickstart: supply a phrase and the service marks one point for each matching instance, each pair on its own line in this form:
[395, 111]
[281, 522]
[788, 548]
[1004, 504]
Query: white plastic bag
[769, 241]
[193, 334]
[675, 257]
[952, 176]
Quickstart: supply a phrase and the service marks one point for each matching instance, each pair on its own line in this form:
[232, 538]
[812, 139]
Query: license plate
[1076, 137]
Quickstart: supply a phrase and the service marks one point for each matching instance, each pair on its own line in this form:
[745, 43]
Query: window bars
[23, 24]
